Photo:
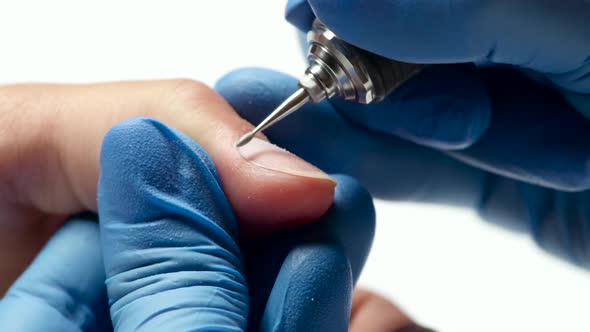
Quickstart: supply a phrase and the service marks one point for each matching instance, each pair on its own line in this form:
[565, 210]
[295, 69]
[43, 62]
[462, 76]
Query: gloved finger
[542, 35]
[324, 266]
[305, 283]
[312, 292]
[444, 107]
[168, 234]
[63, 289]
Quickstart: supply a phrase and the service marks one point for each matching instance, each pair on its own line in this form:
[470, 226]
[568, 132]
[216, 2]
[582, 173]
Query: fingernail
[267, 155]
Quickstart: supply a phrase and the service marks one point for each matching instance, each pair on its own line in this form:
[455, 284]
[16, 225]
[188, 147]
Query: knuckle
[190, 93]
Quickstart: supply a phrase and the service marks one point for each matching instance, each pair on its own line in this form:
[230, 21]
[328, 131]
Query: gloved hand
[499, 137]
[50, 138]
[169, 241]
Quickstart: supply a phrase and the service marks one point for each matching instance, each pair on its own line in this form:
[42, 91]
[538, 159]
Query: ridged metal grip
[340, 70]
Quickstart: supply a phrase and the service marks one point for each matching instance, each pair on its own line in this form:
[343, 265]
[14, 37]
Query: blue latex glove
[498, 137]
[63, 289]
[173, 263]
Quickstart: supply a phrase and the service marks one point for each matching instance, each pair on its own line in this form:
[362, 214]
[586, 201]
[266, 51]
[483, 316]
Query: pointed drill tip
[244, 140]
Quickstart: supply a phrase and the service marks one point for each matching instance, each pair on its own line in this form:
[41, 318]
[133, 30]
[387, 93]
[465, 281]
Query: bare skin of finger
[373, 313]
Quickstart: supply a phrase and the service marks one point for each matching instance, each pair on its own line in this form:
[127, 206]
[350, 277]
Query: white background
[445, 267]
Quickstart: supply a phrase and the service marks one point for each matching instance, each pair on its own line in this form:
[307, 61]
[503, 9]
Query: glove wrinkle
[168, 233]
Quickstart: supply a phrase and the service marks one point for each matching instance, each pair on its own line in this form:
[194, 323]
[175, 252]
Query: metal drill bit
[290, 105]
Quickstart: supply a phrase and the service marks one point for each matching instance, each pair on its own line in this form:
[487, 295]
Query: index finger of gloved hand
[305, 282]
[63, 289]
[543, 35]
[54, 133]
[168, 234]
[389, 167]
[522, 137]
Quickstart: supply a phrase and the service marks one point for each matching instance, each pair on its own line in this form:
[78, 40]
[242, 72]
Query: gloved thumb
[167, 233]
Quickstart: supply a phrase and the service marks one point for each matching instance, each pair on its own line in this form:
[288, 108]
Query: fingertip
[351, 221]
[168, 232]
[351, 195]
[312, 291]
[354, 209]
[295, 200]
[148, 170]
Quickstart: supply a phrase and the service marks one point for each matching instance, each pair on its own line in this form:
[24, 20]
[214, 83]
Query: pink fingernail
[269, 156]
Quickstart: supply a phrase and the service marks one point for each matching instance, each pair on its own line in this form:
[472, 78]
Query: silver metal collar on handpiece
[338, 70]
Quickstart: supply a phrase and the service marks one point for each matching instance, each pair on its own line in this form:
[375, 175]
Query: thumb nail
[267, 155]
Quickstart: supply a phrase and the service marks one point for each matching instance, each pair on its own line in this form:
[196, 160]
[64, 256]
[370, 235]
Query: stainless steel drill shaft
[290, 105]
